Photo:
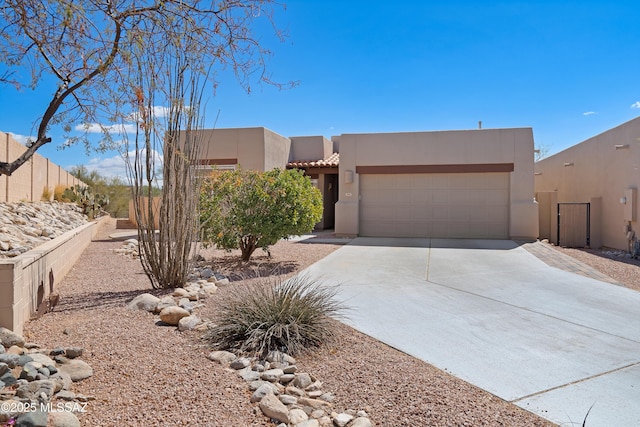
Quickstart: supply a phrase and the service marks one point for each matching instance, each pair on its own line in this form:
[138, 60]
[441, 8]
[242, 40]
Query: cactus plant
[91, 204]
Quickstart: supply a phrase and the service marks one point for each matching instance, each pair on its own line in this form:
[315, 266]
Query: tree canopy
[249, 209]
[86, 47]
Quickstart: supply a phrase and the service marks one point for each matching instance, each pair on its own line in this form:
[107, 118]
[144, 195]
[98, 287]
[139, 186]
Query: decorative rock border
[35, 384]
[291, 398]
[178, 308]
[286, 396]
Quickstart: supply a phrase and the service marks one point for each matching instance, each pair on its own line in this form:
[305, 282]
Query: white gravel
[148, 375]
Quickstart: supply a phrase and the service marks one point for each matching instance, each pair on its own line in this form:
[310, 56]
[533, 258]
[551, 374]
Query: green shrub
[249, 209]
[291, 316]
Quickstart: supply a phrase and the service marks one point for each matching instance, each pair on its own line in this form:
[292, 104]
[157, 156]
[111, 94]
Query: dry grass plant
[293, 316]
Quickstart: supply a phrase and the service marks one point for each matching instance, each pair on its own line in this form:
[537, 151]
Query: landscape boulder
[8, 338]
[172, 315]
[146, 302]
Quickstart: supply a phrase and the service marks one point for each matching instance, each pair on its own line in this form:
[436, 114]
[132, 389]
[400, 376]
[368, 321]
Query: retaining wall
[27, 280]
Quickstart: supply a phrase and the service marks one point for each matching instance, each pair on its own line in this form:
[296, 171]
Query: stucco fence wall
[28, 279]
[144, 211]
[28, 182]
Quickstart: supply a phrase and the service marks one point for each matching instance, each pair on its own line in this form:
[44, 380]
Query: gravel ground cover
[623, 269]
[149, 375]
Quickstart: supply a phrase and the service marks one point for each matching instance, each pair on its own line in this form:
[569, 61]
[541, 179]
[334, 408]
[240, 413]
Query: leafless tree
[85, 47]
[167, 255]
[541, 151]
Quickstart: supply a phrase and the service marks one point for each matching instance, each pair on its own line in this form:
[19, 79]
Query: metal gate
[573, 225]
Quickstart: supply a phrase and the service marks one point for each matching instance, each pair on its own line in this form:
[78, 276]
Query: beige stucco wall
[255, 148]
[144, 202]
[486, 146]
[39, 176]
[28, 181]
[596, 169]
[53, 171]
[19, 183]
[307, 148]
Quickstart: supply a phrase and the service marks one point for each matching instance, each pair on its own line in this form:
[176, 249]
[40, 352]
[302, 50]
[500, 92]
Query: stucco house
[588, 193]
[448, 184]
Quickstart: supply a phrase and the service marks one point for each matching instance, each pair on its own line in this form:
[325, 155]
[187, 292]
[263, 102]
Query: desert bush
[58, 193]
[292, 316]
[46, 194]
[249, 210]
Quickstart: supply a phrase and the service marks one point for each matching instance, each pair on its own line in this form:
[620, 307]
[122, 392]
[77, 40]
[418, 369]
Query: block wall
[30, 179]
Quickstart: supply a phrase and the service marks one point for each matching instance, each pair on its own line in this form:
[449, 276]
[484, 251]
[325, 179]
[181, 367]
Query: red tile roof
[331, 162]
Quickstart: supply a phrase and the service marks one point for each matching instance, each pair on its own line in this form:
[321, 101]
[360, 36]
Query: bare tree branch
[87, 45]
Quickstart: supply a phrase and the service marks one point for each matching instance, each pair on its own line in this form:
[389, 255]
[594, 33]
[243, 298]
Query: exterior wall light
[623, 200]
[621, 146]
[348, 177]
[568, 164]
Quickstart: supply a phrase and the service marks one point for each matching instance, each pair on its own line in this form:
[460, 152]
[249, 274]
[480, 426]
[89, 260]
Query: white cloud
[22, 139]
[98, 128]
[589, 113]
[116, 166]
[160, 111]
[635, 104]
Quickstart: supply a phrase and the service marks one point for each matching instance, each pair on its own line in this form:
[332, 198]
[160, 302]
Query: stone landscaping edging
[35, 383]
[289, 397]
[286, 396]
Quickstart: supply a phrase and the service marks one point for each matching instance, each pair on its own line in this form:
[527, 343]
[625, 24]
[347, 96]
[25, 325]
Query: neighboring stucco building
[457, 184]
[255, 148]
[593, 186]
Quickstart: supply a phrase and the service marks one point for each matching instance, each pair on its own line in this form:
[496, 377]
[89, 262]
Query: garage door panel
[437, 180]
[440, 213]
[497, 214]
[476, 197]
[461, 215]
[440, 196]
[473, 205]
[458, 181]
[421, 197]
[383, 213]
[495, 181]
[493, 197]
[459, 197]
[422, 229]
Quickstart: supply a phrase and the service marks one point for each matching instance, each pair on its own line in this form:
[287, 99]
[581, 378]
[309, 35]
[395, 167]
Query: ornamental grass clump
[292, 316]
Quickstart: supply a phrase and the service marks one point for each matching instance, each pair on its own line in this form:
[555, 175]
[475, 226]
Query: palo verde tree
[250, 210]
[84, 47]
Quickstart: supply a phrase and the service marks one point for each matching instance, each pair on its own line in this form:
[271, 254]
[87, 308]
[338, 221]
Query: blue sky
[568, 69]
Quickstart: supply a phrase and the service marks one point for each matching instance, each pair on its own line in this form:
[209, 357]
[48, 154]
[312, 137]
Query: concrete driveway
[489, 312]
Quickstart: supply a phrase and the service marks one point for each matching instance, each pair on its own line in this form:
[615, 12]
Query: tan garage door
[456, 205]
